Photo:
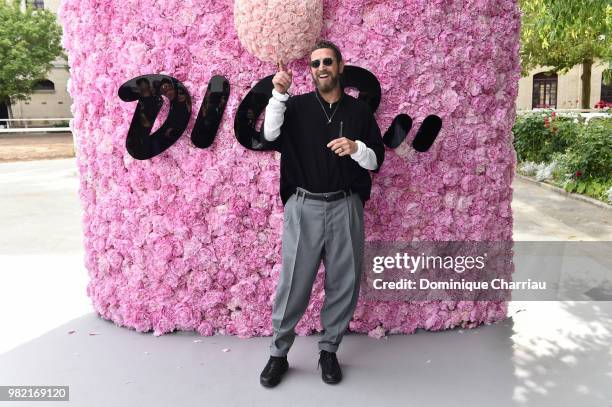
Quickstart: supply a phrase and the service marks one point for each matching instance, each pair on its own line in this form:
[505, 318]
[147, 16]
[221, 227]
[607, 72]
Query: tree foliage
[563, 33]
[30, 41]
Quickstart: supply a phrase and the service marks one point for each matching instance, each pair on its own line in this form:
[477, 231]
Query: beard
[325, 85]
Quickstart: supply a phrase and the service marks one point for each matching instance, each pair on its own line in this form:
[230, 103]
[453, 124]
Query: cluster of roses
[603, 104]
[191, 238]
[547, 122]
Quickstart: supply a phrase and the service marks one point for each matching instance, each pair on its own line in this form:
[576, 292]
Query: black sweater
[307, 162]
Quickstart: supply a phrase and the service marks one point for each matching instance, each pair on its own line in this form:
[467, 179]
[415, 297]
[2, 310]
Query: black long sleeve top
[307, 162]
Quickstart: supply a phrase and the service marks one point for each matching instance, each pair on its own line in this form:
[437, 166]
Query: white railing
[26, 129]
[563, 110]
[586, 113]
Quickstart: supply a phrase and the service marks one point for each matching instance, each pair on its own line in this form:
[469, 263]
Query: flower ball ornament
[190, 238]
[278, 30]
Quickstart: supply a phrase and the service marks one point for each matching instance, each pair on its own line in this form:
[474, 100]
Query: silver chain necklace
[329, 118]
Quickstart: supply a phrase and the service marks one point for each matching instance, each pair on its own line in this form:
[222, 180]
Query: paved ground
[541, 214]
[35, 146]
[544, 354]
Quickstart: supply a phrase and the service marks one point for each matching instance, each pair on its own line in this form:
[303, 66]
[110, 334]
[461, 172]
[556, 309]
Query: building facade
[542, 88]
[51, 98]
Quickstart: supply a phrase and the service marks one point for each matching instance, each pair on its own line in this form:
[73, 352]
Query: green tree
[30, 40]
[564, 33]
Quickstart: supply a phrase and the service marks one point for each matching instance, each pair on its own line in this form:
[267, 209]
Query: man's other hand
[343, 146]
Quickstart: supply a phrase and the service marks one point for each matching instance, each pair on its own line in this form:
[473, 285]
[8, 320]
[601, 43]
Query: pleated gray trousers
[315, 230]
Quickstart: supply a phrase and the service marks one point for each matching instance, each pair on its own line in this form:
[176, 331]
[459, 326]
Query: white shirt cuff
[365, 156]
[359, 153]
[281, 97]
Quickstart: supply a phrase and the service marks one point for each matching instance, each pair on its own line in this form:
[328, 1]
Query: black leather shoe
[274, 371]
[330, 369]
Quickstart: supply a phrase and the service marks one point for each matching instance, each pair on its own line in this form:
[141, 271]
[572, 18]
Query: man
[329, 141]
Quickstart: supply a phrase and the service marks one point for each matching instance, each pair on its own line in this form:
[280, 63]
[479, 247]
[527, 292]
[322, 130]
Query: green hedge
[586, 167]
[534, 141]
[582, 151]
[590, 154]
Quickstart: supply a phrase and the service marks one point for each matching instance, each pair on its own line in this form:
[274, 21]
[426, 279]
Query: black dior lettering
[427, 133]
[211, 112]
[369, 91]
[425, 137]
[398, 130]
[149, 89]
[365, 82]
[253, 104]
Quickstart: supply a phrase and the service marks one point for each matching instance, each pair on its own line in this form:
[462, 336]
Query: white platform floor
[544, 354]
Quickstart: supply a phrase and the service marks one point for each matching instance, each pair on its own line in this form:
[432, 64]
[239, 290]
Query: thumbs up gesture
[282, 79]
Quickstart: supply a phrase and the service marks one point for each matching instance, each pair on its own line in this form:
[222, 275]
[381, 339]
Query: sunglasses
[317, 62]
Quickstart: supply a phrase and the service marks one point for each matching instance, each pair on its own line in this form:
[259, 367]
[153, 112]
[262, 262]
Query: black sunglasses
[326, 61]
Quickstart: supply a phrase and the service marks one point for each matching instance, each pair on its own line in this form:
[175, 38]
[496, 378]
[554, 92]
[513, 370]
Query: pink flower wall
[191, 239]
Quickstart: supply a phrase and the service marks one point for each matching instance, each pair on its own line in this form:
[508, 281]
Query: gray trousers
[315, 230]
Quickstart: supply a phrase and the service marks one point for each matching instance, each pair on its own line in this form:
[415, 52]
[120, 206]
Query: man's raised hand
[283, 78]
